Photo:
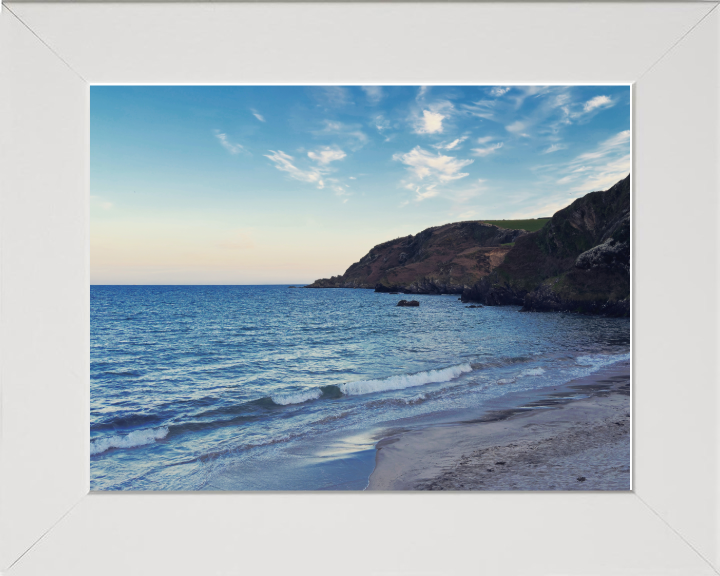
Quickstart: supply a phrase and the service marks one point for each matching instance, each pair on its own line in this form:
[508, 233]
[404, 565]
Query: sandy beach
[553, 443]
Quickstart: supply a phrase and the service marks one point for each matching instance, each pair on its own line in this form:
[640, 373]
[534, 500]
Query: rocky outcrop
[579, 262]
[610, 255]
[440, 260]
[410, 303]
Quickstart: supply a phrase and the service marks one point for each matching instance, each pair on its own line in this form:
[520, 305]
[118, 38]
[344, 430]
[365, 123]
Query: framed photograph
[82, 488]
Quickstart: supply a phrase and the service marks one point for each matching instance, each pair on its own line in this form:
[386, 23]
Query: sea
[286, 388]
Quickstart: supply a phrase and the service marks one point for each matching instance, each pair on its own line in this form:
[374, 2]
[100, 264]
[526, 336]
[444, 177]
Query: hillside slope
[579, 261]
[443, 259]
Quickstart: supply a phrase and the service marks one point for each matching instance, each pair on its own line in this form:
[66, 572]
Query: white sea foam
[601, 360]
[403, 380]
[135, 438]
[415, 399]
[532, 372]
[506, 380]
[297, 397]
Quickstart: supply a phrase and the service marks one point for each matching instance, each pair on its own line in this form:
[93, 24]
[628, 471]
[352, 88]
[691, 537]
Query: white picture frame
[50, 53]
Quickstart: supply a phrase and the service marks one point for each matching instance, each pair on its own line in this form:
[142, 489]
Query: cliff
[579, 261]
[440, 260]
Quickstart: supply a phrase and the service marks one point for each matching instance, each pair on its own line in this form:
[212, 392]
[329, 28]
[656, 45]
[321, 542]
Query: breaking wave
[297, 397]
[132, 440]
[403, 380]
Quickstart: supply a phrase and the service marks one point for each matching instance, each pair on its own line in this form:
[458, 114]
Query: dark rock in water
[500, 463]
[581, 479]
[292, 286]
[408, 303]
[393, 292]
[474, 306]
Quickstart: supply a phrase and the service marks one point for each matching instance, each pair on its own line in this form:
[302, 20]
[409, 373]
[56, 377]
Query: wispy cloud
[327, 154]
[596, 169]
[488, 150]
[516, 127]
[373, 93]
[554, 148]
[351, 134]
[312, 174]
[455, 144]
[229, 146]
[429, 170]
[285, 163]
[424, 164]
[257, 115]
[333, 96]
[498, 91]
[597, 102]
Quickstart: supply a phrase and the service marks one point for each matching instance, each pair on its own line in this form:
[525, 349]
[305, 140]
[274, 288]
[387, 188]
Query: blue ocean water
[272, 387]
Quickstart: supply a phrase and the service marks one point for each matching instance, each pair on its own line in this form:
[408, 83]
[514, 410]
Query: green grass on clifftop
[530, 225]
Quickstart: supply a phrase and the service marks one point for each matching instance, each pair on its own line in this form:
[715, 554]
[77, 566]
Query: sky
[287, 184]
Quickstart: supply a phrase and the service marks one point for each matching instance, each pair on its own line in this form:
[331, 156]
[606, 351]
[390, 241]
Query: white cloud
[374, 93]
[620, 140]
[430, 123]
[515, 127]
[327, 154]
[498, 91]
[554, 148]
[229, 146]
[605, 175]
[428, 192]
[423, 164]
[350, 133]
[284, 163]
[334, 96]
[597, 102]
[488, 150]
[257, 115]
[597, 169]
[485, 139]
[450, 145]
[482, 109]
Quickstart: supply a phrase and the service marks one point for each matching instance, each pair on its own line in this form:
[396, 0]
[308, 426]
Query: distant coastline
[576, 261]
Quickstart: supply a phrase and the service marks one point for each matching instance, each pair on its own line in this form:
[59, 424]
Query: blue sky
[285, 184]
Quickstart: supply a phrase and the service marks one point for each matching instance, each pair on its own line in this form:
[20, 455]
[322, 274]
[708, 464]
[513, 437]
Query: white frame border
[49, 53]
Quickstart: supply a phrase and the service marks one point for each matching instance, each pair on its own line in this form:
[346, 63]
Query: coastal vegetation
[529, 225]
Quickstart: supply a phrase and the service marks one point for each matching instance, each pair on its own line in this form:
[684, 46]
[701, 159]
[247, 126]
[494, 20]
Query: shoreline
[554, 443]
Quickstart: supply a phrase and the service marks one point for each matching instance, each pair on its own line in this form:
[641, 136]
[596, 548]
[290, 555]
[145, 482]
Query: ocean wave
[132, 440]
[403, 380]
[507, 381]
[601, 360]
[415, 399]
[297, 397]
[532, 372]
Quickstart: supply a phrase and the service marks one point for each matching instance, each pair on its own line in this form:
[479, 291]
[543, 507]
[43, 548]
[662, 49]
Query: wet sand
[548, 444]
